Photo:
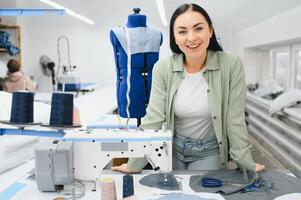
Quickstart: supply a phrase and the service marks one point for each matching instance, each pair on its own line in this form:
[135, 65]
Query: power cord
[59, 53]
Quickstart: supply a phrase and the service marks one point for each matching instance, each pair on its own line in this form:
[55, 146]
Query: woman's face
[192, 33]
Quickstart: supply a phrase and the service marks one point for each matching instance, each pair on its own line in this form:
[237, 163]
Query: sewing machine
[94, 149]
[85, 152]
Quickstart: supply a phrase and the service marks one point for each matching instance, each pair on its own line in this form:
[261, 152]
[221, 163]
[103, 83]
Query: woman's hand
[122, 168]
[259, 167]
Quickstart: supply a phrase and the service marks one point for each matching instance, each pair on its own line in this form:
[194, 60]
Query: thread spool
[22, 108]
[61, 109]
[128, 186]
[108, 190]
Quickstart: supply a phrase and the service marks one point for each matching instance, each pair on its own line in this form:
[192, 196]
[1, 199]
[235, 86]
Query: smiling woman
[200, 93]
[192, 35]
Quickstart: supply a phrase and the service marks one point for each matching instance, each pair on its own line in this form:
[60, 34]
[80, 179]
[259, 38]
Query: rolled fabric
[128, 185]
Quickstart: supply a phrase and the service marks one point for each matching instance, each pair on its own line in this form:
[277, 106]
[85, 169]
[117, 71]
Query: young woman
[200, 92]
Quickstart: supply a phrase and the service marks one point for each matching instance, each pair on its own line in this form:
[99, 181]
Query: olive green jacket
[225, 76]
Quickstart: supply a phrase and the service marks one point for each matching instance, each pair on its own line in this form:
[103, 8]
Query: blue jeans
[191, 154]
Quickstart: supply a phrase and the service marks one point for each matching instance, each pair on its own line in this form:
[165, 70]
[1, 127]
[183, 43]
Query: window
[281, 69]
[282, 64]
[298, 70]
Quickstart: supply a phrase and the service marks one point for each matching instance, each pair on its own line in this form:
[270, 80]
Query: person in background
[16, 79]
[200, 93]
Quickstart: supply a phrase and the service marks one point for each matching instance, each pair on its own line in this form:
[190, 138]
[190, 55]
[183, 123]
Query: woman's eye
[199, 28]
[182, 32]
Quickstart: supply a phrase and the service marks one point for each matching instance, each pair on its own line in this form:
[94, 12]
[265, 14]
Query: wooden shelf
[5, 26]
[3, 50]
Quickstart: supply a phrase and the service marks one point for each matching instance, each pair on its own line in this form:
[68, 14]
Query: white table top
[30, 191]
[20, 175]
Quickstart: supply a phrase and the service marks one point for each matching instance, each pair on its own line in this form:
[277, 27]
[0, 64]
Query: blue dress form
[133, 88]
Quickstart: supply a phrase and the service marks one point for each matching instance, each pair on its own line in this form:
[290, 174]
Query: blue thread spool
[61, 109]
[22, 108]
[128, 186]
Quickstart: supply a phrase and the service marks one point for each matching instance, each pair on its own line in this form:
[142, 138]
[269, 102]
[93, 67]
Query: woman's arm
[240, 147]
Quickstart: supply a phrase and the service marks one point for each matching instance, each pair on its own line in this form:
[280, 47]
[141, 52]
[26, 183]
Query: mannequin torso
[145, 43]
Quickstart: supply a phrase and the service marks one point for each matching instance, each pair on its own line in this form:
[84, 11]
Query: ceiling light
[161, 9]
[68, 11]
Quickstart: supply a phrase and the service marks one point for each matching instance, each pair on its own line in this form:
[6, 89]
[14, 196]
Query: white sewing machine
[94, 149]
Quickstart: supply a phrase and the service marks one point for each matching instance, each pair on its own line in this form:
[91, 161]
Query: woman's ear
[211, 29]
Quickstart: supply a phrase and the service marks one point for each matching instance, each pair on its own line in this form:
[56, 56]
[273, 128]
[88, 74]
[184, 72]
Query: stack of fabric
[16, 149]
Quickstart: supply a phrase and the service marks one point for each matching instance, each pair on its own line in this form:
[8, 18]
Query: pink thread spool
[108, 190]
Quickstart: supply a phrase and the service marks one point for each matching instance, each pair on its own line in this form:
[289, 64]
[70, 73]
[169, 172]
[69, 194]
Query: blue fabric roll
[61, 109]
[128, 185]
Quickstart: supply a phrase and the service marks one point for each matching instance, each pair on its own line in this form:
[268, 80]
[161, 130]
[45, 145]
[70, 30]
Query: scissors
[258, 184]
[214, 182]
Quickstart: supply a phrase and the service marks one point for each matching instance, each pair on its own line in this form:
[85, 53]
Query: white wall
[264, 72]
[281, 29]
[90, 46]
[227, 38]
[90, 51]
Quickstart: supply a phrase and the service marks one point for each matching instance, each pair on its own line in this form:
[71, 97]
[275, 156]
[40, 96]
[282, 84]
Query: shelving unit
[15, 32]
[279, 135]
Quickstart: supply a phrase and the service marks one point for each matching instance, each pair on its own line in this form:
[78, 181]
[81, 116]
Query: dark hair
[13, 66]
[213, 44]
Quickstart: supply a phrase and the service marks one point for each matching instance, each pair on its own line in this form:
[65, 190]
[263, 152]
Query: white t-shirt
[191, 107]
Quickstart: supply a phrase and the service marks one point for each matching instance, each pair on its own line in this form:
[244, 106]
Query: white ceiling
[236, 15]
[232, 15]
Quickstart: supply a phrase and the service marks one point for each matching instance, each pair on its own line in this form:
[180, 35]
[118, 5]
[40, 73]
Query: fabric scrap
[157, 181]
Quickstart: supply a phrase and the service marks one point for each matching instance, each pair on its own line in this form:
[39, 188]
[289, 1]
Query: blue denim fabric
[189, 150]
